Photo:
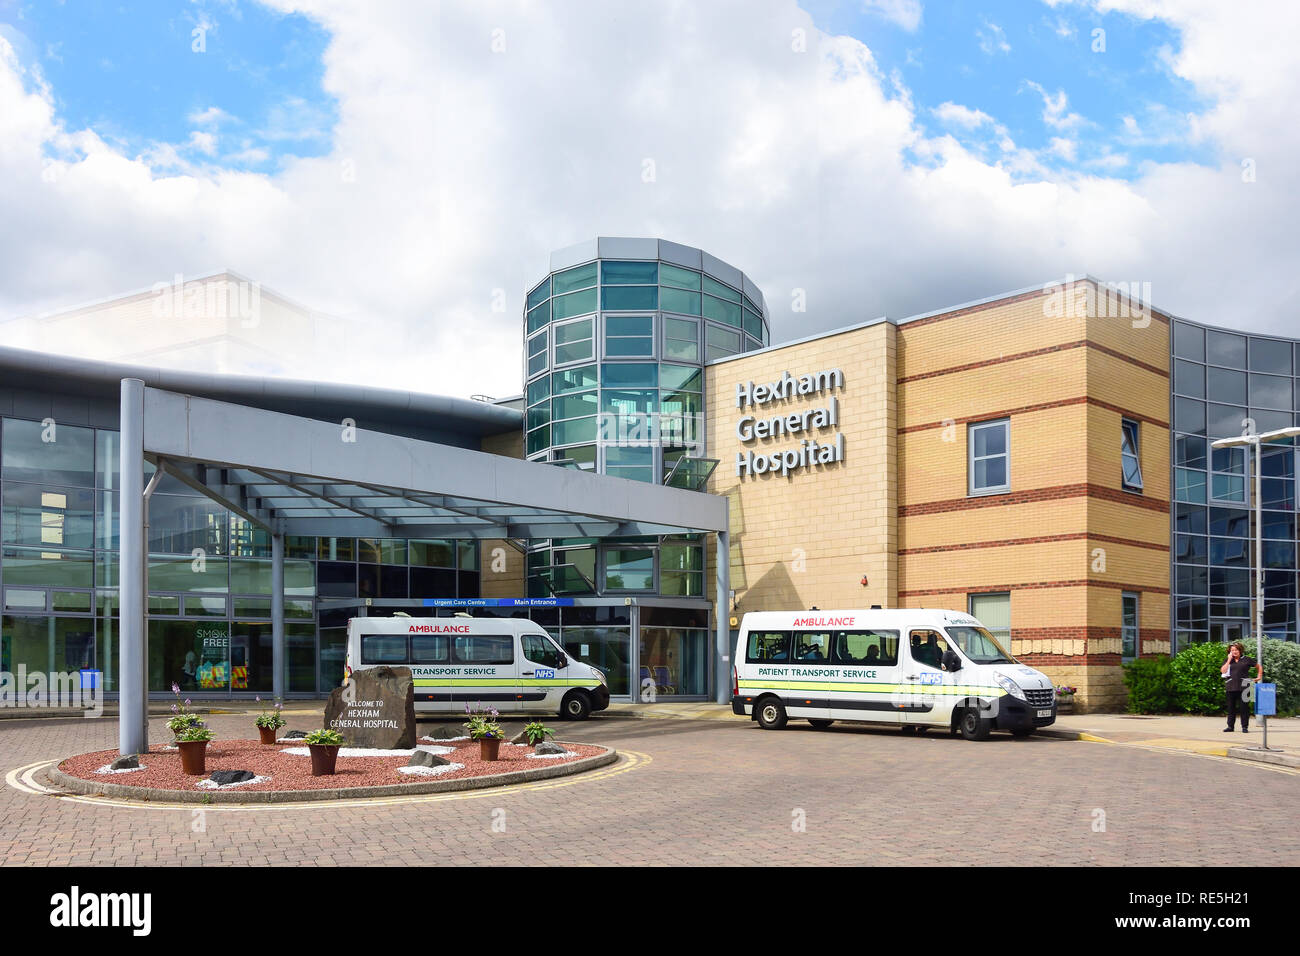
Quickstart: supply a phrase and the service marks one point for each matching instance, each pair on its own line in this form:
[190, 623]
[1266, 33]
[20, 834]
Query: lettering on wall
[818, 449]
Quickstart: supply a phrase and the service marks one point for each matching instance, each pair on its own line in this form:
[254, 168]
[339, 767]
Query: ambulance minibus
[914, 669]
[510, 664]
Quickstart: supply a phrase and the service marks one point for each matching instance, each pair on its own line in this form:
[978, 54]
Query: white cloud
[212, 116]
[992, 39]
[1056, 112]
[958, 115]
[904, 13]
[1066, 149]
[452, 171]
[205, 143]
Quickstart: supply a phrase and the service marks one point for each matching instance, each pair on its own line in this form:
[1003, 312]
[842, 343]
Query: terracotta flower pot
[267, 734]
[194, 755]
[323, 759]
[488, 747]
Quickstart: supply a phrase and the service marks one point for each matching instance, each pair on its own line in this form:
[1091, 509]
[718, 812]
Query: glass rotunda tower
[616, 338]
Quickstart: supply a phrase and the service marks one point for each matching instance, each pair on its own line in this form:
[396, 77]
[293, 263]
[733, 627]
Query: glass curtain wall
[209, 574]
[1224, 384]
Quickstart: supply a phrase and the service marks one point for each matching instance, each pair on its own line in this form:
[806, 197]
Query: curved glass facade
[1227, 383]
[614, 370]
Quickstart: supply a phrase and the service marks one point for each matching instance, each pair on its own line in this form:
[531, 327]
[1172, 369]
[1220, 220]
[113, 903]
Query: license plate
[1045, 713]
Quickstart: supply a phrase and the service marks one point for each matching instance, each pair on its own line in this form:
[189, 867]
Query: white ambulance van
[506, 663]
[915, 669]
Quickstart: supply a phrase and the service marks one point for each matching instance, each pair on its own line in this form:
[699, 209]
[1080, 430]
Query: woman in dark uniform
[1237, 669]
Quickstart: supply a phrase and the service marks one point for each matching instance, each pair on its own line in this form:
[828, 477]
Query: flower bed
[292, 772]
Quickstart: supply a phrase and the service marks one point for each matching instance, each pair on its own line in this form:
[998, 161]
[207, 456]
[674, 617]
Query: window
[383, 648]
[720, 342]
[681, 339]
[1129, 455]
[866, 648]
[635, 462]
[539, 650]
[537, 353]
[994, 612]
[768, 646]
[618, 298]
[928, 648]
[574, 342]
[629, 273]
[629, 335]
[629, 569]
[812, 647]
[429, 649]
[579, 277]
[1129, 624]
[484, 649]
[989, 449]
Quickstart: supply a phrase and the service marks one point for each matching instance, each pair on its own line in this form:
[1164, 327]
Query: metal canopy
[298, 476]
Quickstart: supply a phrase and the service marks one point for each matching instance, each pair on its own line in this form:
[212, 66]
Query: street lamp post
[1258, 441]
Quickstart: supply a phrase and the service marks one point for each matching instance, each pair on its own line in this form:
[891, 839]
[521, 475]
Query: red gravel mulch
[292, 772]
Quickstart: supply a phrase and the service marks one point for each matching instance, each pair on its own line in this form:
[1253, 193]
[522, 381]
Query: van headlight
[1010, 686]
[600, 674]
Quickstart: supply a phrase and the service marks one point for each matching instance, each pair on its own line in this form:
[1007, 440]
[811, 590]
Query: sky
[407, 166]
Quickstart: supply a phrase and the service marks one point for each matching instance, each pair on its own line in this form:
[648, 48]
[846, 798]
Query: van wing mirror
[951, 660]
[564, 661]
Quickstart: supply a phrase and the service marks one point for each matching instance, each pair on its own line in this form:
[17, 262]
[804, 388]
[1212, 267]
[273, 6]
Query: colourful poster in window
[213, 671]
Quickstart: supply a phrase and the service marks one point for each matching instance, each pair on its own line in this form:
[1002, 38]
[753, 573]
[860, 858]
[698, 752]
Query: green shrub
[1150, 683]
[1282, 667]
[1198, 685]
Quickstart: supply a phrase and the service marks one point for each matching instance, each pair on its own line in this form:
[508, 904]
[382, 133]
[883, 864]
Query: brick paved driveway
[710, 792]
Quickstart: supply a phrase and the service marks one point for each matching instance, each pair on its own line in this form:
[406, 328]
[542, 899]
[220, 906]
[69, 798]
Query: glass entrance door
[1226, 632]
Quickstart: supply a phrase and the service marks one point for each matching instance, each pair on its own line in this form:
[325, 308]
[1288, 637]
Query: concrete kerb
[1279, 757]
[120, 791]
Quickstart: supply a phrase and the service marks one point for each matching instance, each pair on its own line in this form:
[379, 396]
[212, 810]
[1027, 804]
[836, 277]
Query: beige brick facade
[812, 537]
[894, 523]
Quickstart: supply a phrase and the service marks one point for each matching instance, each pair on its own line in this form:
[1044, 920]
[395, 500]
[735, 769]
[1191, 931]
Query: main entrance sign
[810, 451]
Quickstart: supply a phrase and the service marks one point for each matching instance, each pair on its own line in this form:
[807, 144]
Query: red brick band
[1038, 539]
[1053, 493]
[1041, 406]
[1034, 353]
[1035, 586]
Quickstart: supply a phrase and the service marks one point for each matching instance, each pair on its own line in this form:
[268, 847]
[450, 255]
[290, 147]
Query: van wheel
[820, 724]
[770, 714]
[973, 726]
[576, 706]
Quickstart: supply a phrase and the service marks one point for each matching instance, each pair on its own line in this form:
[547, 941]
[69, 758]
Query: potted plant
[268, 722]
[181, 715]
[483, 727]
[324, 745]
[536, 732]
[192, 741]
[1065, 699]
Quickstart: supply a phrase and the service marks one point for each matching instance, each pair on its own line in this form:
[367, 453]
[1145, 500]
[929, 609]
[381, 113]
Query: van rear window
[866, 648]
[767, 646]
[383, 648]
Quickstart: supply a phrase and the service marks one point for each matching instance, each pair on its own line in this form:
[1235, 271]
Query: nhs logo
[931, 678]
[544, 672]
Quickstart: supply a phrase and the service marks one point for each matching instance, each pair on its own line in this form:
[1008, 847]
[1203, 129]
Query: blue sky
[1007, 58]
[130, 72]
[394, 163]
[254, 94]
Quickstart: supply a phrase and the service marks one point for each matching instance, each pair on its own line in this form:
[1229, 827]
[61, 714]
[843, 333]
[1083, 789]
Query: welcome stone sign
[376, 708]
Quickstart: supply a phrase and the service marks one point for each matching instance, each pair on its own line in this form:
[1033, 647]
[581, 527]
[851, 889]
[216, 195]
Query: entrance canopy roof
[298, 476]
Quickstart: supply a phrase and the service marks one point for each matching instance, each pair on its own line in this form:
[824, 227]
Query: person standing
[1237, 670]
